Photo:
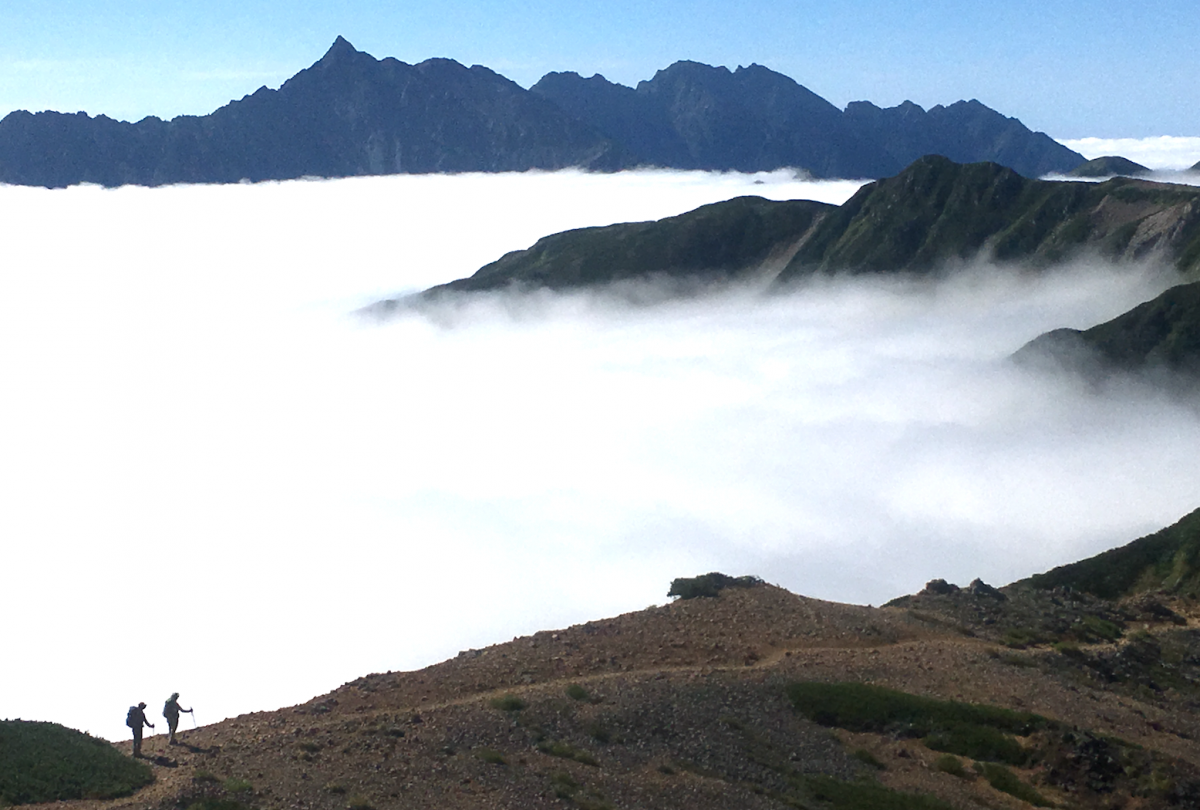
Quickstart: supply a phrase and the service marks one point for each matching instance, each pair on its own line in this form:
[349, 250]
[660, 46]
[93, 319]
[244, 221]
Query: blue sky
[1072, 69]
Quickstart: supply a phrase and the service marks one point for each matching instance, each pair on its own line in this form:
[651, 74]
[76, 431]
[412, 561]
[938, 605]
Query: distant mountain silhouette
[692, 116]
[965, 132]
[932, 215]
[351, 114]
[1109, 166]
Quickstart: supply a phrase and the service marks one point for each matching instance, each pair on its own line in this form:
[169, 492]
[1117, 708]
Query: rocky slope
[351, 114]
[690, 705]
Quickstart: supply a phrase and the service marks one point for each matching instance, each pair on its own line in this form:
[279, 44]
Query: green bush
[948, 763]
[577, 692]
[46, 762]
[841, 795]
[491, 756]
[235, 785]
[508, 703]
[566, 751]
[978, 742]
[967, 729]
[709, 585]
[867, 758]
[1006, 781]
[564, 785]
[862, 707]
[213, 803]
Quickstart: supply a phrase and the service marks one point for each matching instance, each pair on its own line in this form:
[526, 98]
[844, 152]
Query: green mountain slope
[714, 242]
[933, 214]
[1168, 560]
[936, 211]
[1160, 334]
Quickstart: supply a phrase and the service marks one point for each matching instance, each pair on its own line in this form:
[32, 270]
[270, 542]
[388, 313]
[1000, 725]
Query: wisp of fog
[220, 481]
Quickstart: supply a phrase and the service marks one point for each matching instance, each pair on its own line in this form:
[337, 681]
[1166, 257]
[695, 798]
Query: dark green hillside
[46, 762]
[1162, 333]
[1109, 166]
[937, 211]
[713, 242]
[931, 215]
[1168, 560]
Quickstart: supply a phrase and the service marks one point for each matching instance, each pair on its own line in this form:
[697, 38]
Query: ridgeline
[931, 215]
[350, 114]
[1074, 689]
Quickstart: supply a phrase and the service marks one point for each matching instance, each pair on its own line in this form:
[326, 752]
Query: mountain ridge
[708, 702]
[929, 217]
[351, 114]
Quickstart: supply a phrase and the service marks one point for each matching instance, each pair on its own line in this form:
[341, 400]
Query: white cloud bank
[1163, 153]
[217, 482]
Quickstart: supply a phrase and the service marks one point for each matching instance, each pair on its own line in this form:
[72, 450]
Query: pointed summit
[340, 49]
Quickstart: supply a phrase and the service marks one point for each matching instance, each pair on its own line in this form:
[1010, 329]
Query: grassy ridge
[976, 731]
[1167, 560]
[712, 242]
[932, 214]
[45, 762]
[937, 211]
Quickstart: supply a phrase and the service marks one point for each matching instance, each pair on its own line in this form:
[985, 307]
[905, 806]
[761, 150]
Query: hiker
[135, 719]
[171, 710]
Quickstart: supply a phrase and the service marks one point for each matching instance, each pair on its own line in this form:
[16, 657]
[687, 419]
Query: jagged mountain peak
[340, 51]
[342, 116]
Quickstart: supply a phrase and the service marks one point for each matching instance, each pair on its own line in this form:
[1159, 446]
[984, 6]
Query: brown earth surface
[679, 706]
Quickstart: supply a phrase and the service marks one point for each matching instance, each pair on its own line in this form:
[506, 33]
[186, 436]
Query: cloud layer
[221, 483]
[1163, 153]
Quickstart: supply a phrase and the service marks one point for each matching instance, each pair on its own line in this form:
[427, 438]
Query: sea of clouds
[218, 479]
[1168, 153]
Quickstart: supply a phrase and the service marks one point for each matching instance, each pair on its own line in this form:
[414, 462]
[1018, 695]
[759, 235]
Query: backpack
[131, 719]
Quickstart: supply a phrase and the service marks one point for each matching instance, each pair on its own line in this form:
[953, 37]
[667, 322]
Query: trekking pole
[194, 724]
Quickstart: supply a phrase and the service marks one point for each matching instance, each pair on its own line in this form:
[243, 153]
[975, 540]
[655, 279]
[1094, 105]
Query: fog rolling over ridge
[218, 481]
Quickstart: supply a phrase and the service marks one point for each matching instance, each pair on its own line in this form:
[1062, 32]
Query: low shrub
[563, 785]
[948, 763]
[508, 703]
[491, 756]
[1006, 781]
[841, 795]
[47, 762]
[577, 692]
[709, 585]
[862, 707]
[867, 758]
[967, 729]
[567, 751]
[978, 742]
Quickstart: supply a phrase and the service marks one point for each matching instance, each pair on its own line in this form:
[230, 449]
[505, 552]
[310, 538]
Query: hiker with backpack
[136, 719]
[171, 711]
